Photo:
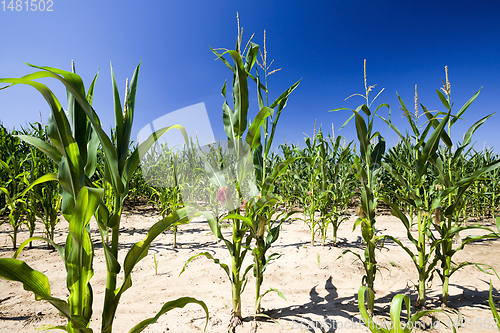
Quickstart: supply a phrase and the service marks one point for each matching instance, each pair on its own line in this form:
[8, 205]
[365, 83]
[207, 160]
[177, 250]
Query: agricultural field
[246, 234]
[319, 289]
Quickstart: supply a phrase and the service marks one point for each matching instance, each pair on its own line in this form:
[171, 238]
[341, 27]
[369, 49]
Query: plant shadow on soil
[158, 245]
[331, 305]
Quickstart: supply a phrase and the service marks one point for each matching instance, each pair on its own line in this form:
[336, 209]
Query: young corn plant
[316, 195]
[73, 147]
[340, 175]
[164, 174]
[44, 201]
[17, 194]
[395, 325]
[262, 209]
[50, 202]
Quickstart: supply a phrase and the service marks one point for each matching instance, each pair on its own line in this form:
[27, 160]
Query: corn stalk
[367, 167]
[74, 149]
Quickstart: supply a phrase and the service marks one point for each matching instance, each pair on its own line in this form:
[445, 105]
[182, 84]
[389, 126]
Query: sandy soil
[319, 289]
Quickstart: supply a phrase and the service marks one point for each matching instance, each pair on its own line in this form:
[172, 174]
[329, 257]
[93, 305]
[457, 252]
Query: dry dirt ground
[320, 289]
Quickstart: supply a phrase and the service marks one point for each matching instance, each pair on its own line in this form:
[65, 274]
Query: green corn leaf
[140, 249]
[366, 110]
[468, 135]
[220, 56]
[364, 313]
[46, 148]
[240, 94]
[391, 125]
[107, 145]
[395, 312]
[209, 256]
[259, 91]
[492, 307]
[58, 247]
[79, 254]
[92, 147]
[156, 135]
[229, 118]
[67, 145]
[278, 170]
[251, 57]
[279, 104]
[435, 123]
[408, 117]
[43, 179]
[432, 145]
[34, 281]
[178, 303]
[253, 134]
[78, 121]
[443, 100]
[465, 107]
[119, 123]
[90, 92]
[362, 133]
[378, 151]
[245, 219]
[280, 294]
[285, 95]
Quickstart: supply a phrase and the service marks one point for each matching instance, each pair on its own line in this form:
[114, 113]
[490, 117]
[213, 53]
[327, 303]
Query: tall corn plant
[444, 196]
[266, 222]
[262, 210]
[235, 125]
[73, 147]
[417, 192]
[367, 167]
[250, 156]
[453, 192]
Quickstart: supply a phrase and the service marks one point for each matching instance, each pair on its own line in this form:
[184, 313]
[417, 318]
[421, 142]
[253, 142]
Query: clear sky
[323, 43]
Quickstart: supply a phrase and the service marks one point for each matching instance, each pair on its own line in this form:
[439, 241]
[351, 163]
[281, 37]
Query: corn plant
[395, 325]
[235, 125]
[316, 194]
[262, 210]
[453, 189]
[168, 199]
[367, 167]
[341, 183]
[49, 201]
[74, 149]
[17, 197]
[250, 158]
[428, 197]
[417, 192]
[291, 186]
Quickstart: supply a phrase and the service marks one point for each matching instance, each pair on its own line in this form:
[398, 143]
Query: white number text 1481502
[27, 5]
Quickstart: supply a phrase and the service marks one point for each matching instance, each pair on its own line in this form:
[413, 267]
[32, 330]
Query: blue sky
[323, 43]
